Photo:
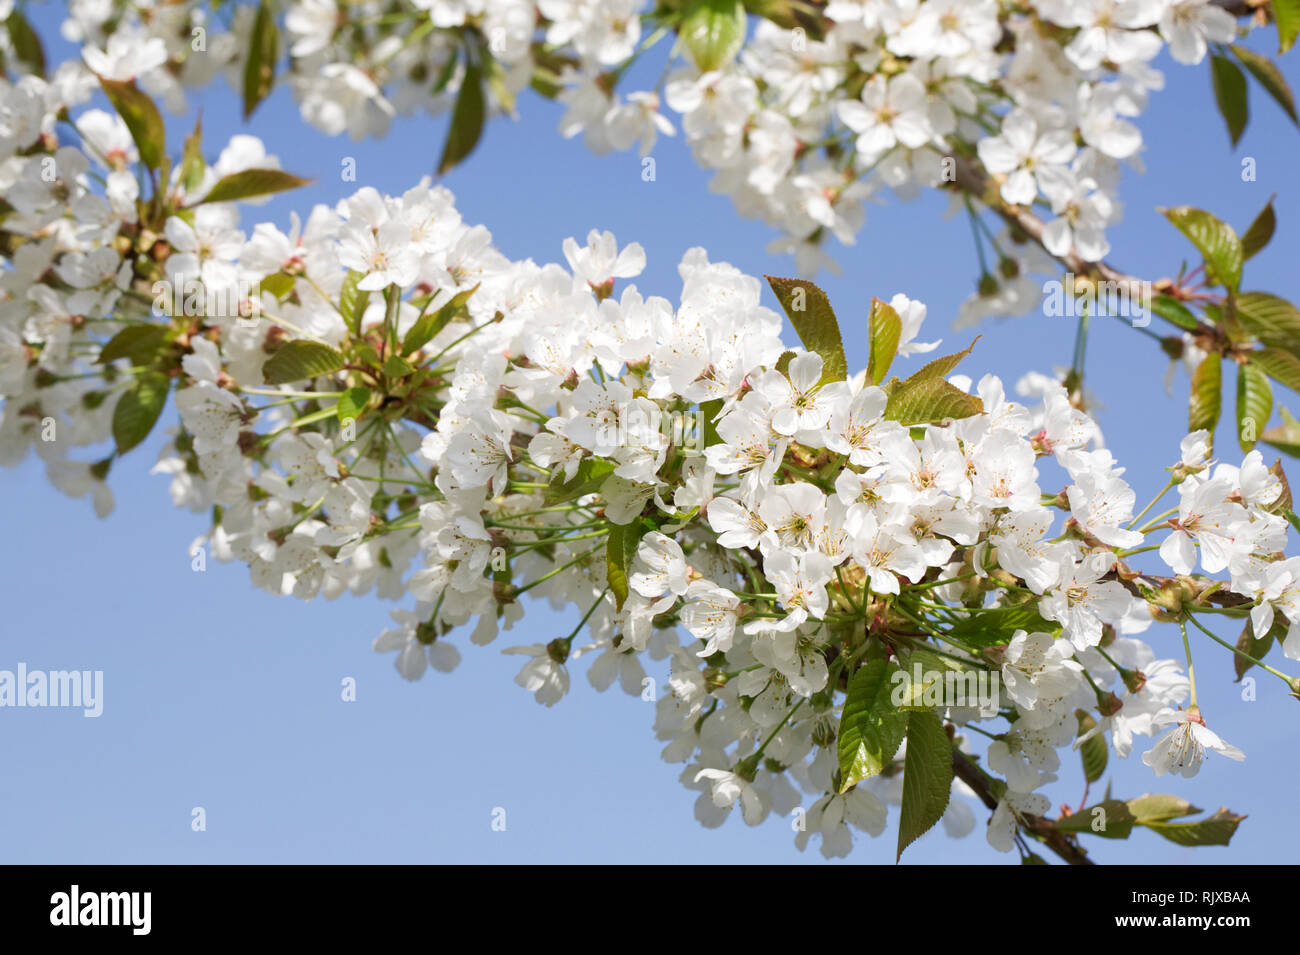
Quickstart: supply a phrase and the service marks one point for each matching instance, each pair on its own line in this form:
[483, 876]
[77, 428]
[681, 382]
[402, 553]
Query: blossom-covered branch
[854, 579]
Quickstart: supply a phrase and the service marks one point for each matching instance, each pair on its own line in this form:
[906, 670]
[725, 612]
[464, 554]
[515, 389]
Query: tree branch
[1040, 826]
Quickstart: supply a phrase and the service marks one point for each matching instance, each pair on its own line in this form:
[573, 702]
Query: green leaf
[251, 183]
[142, 119]
[1283, 501]
[1254, 405]
[278, 284]
[192, 164]
[941, 367]
[1260, 231]
[930, 400]
[1094, 752]
[994, 625]
[1287, 15]
[26, 43]
[709, 412]
[139, 343]
[1216, 830]
[1281, 366]
[1285, 437]
[928, 680]
[495, 74]
[429, 325]
[620, 548]
[1256, 647]
[927, 777]
[713, 32]
[1158, 808]
[1206, 397]
[1216, 241]
[591, 474]
[885, 328]
[264, 50]
[353, 402]
[466, 120]
[1172, 310]
[353, 301]
[1114, 821]
[397, 367]
[1273, 320]
[1230, 93]
[871, 727]
[138, 409]
[300, 360]
[1268, 76]
[814, 321]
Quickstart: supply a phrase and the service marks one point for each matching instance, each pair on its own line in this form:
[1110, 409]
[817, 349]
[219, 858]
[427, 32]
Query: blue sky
[222, 697]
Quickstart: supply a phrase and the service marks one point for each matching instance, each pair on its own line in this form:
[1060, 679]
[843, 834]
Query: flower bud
[558, 649]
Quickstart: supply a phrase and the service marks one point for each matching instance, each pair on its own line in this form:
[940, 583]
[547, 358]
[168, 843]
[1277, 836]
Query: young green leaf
[713, 32]
[1256, 647]
[814, 321]
[264, 50]
[1170, 309]
[884, 328]
[251, 183]
[1216, 241]
[1254, 405]
[591, 474]
[709, 411]
[1230, 93]
[430, 324]
[353, 402]
[620, 548]
[26, 43]
[1093, 752]
[1273, 320]
[142, 119]
[138, 409]
[278, 284]
[139, 343]
[353, 301]
[1207, 395]
[397, 367]
[927, 777]
[941, 367]
[300, 360]
[1216, 830]
[871, 727]
[466, 120]
[192, 164]
[1281, 366]
[1260, 231]
[1158, 808]
[930, 400]
[994, 625]
[1268, 76]
[1110, 819]
[1287, 15]
[1285, 436]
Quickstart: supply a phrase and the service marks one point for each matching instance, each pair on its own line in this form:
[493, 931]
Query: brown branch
[1039, 826]
[970, 178]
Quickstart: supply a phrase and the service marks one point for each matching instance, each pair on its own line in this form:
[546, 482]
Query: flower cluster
[377, 400]
[820, 110]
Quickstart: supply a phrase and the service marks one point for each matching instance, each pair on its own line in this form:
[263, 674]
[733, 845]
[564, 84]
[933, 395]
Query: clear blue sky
[220, 696]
